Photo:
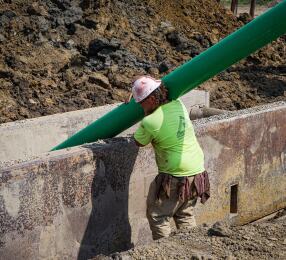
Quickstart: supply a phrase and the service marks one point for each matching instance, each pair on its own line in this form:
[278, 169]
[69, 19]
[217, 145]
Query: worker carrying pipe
[182, 177]
[238, 45]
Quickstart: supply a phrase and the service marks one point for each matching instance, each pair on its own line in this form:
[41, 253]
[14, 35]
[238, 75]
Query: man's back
[172, 135]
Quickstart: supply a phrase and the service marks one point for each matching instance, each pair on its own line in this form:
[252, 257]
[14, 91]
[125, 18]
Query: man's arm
[142, 137]
[128, 99]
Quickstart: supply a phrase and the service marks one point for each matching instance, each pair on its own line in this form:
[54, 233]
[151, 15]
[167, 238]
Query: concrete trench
[88, 200]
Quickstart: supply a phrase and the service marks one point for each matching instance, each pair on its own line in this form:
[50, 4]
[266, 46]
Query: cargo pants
[160, 211]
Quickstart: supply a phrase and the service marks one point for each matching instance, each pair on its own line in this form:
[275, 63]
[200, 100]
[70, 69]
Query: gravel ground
[265, 239]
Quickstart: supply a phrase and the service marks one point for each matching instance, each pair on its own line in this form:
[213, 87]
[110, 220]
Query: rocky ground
[265, 239]
[63, 55]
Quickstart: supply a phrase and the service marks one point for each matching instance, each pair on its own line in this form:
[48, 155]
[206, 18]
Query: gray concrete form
[83, 201]
[27, 138]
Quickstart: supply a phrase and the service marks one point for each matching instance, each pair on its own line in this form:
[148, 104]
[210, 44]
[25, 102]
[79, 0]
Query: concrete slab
[24, 139]
[83, 201]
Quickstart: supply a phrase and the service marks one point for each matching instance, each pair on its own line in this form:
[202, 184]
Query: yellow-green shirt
[172, 135]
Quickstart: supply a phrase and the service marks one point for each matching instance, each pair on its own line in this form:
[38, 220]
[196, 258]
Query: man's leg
[160, 211]
[184, 215]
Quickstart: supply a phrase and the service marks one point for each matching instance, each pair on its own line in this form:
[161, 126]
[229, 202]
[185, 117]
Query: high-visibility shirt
[172, 135]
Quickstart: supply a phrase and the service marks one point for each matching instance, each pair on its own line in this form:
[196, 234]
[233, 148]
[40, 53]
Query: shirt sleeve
[142, 136]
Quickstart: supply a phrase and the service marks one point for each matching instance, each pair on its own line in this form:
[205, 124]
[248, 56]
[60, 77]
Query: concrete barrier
[88, 200]
[23, 139]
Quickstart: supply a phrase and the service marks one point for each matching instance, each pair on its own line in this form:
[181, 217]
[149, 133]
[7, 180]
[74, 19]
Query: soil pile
[62, 55]
[259, 79]
[263, 240]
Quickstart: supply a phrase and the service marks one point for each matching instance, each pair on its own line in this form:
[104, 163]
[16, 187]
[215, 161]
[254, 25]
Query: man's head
[149, 93]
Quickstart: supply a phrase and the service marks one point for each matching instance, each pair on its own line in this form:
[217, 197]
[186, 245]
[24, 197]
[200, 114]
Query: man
[179, 157]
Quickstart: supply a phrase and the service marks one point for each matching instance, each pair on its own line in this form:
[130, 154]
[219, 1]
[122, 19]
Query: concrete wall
[83, 201]
[27, 138]
[248, 150]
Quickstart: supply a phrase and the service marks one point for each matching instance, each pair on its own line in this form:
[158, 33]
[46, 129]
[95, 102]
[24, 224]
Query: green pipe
[107, 126]
[238, 45]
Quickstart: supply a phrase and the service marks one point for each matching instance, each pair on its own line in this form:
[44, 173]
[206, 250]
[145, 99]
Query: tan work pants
[160, 212]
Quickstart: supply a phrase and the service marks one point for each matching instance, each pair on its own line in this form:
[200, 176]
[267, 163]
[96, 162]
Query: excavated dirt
[261, 240]
[62, 55]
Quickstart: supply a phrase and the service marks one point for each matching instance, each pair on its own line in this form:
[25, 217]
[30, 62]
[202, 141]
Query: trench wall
[83, 201]
[25, 139]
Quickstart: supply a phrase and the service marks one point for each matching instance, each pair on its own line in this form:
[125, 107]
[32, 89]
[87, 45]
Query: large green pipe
[238, 45]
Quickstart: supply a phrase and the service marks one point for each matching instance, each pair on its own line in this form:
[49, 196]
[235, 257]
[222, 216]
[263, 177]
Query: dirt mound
[263, 240]
[60, 55]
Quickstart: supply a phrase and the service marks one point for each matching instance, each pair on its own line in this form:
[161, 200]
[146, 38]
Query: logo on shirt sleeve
[181, 129]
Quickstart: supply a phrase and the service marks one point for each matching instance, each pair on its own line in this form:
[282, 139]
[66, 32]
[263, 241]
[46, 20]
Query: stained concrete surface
[247, 150]
[21, 140]
[89, 200]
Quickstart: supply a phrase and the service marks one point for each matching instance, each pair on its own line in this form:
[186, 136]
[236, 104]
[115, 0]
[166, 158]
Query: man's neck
[152, 110]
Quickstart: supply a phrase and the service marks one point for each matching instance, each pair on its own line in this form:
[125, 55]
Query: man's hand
[137, 143]
[127, 100]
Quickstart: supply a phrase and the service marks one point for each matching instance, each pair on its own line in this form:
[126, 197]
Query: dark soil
[62, 55]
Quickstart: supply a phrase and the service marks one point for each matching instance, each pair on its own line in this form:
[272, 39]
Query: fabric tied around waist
[199, 187]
